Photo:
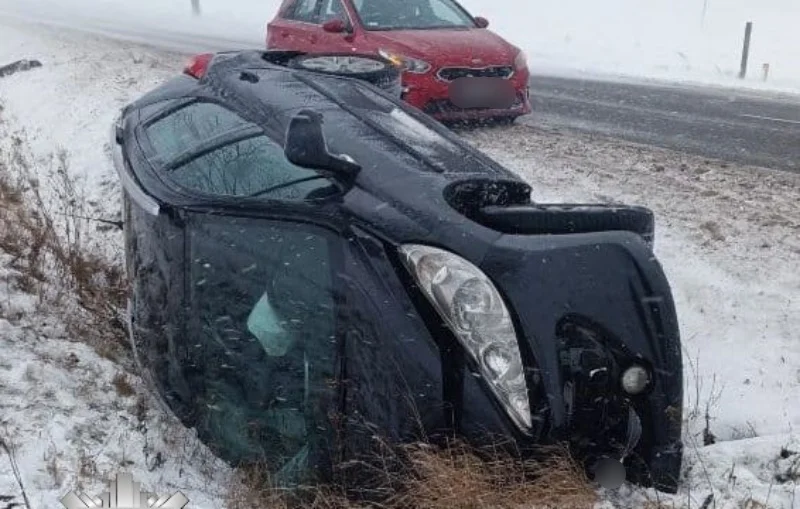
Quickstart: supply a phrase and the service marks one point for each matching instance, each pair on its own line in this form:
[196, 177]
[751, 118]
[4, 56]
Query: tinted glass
[332, 9]
[411, 14]
[249, 168]
[253, 167]
[304, 10]
[264, 321]
[190, 127]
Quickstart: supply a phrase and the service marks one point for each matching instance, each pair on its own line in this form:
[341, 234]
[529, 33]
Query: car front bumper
[588, 310]
[432, 96]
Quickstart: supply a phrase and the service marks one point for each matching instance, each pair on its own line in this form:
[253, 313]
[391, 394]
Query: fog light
[635, 380]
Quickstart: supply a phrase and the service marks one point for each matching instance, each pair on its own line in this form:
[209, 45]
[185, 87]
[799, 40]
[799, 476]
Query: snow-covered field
[683, 40]
[729, 238]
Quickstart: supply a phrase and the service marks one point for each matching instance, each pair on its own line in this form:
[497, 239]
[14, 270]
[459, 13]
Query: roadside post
[748, 30]
[196, 7]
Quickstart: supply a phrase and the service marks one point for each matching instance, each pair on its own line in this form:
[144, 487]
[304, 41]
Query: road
[754, 128]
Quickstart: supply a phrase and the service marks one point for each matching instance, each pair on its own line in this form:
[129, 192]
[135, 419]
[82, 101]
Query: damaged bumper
[599, 332]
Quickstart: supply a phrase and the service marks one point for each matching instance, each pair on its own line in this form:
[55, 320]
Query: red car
[453, 67]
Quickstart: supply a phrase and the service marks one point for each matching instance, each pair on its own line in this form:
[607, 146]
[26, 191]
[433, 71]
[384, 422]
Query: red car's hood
[447, 46]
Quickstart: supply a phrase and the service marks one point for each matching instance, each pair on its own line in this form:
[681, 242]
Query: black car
[315, 263]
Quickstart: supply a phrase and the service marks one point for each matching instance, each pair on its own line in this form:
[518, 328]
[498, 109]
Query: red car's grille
[454, 73]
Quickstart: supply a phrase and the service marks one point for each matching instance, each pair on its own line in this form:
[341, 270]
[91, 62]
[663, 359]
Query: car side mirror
[335, 26]
[306, 147]
[481, 22]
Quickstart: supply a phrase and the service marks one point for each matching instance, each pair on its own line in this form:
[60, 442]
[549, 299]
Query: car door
[299, 28]
[336, 42]
[296, 28]
[262, 302]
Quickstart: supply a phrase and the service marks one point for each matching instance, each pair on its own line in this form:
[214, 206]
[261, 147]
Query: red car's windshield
[412, 14]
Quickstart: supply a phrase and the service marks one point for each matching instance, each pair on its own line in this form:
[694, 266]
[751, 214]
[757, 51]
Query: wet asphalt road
[755, 128]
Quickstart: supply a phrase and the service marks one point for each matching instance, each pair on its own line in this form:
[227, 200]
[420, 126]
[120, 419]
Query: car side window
[253, 166]
[264, 308]
[333, 9]
[191, 126]
[446, 12]
[305, 10]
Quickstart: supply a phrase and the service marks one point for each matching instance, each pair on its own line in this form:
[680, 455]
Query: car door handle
[284, 34]
[314, 39]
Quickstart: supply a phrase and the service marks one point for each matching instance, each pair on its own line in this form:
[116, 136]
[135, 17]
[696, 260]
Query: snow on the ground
[70, 427]
[60, 409]
[729, 238]
[684, 40]
[71, 102]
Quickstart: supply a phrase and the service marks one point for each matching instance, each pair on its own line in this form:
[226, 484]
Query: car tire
[559, 219]
[373, 69]
[506, 121]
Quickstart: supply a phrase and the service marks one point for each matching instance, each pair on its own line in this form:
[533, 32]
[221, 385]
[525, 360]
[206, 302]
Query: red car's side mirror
[334, 26]
[481, 22]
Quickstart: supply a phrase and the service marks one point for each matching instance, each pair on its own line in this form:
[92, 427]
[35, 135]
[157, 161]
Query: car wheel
[372, 69]
[506, 120]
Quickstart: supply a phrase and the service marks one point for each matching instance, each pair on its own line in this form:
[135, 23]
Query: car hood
[455, 47]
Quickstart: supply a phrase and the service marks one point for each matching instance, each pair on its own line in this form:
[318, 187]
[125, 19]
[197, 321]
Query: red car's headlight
[408, 64]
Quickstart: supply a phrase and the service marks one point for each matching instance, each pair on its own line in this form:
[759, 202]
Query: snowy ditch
[729, 239]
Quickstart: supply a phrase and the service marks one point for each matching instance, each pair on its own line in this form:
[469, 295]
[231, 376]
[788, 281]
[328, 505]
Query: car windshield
[412, 14]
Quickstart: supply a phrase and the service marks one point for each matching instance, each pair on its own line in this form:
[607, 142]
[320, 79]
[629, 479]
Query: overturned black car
[314, 262]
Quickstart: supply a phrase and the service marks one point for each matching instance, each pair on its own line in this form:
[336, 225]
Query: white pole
[705, 10]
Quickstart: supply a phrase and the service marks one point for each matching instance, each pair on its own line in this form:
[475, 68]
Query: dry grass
[123, 386]
[253, 487]
[423, 476]
[460, 476]
[44, 232]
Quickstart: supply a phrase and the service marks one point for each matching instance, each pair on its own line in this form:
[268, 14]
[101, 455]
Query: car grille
[454, 73]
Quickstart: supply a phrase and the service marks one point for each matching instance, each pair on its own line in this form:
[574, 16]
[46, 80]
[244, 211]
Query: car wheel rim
[350, 65]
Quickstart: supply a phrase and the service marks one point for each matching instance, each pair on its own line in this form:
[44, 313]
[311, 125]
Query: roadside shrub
[45, 232]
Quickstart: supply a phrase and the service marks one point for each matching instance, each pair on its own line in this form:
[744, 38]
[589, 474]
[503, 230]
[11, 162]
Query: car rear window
[207, 148]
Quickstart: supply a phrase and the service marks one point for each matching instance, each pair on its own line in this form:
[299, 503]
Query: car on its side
[314, 263]
[455, 68]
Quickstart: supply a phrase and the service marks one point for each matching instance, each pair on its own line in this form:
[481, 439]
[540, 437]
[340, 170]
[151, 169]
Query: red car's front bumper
[431, 95]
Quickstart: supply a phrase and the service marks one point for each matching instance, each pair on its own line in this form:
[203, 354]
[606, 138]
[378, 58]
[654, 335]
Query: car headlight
[472, 307]
[521, 62]
[408, 64]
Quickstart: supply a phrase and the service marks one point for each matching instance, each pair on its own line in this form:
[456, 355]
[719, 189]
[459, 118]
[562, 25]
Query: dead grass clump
[123, 386]
[252, 486]
[44, 230]
[423, 476]
[465, 477]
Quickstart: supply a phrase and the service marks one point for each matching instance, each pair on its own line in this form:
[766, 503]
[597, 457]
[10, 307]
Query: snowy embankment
[729, 238]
